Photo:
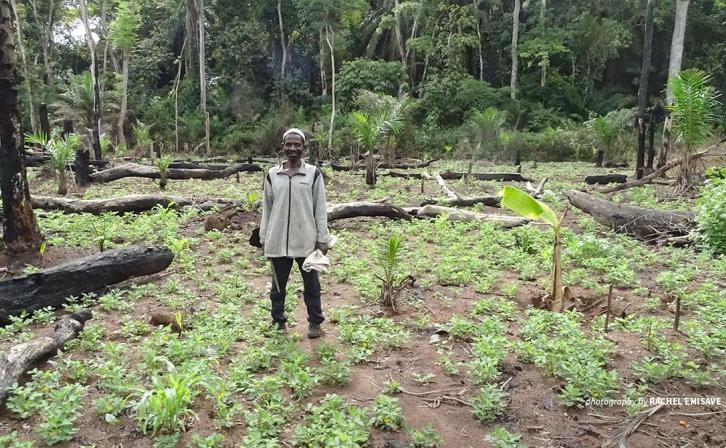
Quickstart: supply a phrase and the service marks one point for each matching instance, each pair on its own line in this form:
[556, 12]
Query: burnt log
[356, 209]
[490, 201]
[20, 358]
[606, 179]
[645, 224]
[385, 165]
[198, 166]
[54, 286]
[502, 177]
[150, 172]
[125, 204]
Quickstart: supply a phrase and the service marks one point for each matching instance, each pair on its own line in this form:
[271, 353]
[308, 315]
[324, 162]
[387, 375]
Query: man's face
[293, 147]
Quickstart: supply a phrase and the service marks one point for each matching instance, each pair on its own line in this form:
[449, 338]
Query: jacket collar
[301, 170]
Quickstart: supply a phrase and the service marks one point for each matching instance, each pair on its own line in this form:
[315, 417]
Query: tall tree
[46, 41]
[643, 90]
[26, 67]
[123, 36]
[20, 228]
[284, 41]
[515, 40]
[96, 140]
[203, 72]
[674, 69]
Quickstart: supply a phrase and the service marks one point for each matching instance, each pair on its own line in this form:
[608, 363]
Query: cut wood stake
[678, 313]
[607, 312]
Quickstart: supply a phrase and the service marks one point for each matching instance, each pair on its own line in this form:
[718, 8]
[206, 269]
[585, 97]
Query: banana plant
[525, 205]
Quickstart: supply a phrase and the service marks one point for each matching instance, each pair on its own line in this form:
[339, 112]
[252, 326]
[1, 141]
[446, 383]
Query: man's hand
[322, 246]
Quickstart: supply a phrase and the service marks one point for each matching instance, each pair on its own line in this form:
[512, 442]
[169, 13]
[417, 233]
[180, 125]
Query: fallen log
[20, 358]
[502, 177]
[455, 214]
[538, 190]
[198, 166]
[454, 200]
[606, 179]
[150, 172]
[645, 224]
[356, 209]
[489, 201]
[384, 165]
[125, 204]
[52, 287]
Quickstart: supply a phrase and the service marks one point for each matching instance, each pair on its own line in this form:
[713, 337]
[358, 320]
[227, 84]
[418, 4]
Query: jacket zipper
[289, 203]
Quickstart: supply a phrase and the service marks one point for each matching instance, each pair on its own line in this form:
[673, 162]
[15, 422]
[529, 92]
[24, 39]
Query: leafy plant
[426, 437]
[162, 164]
[501, 438]
[389, 262]
[62, 151]
[332, 423]
[13, 441]
[694, 112]
[525, 205]
[166, 405]
[58, 420]
[711, 215]
[387, 413]
[489, 404]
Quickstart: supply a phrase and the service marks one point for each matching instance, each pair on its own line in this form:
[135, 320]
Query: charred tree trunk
[651, 143]
[150, 172]
[371, 177]
[643, 223]
[52, 287]
[643, 90]
[20, 229]
[96, 126]
[125, 204]
[21, 357]
[356, 209]
[599, 156]
[44, 123]
[83, 158]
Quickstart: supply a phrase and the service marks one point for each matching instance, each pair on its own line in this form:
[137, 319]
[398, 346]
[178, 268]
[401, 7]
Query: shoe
[314, 331]
[279, 325]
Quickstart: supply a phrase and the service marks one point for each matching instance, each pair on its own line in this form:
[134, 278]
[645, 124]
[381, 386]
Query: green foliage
[501, 438]
[387, 413]
[426, 437]
[13, 441]
[332, 423]
[711, 215]
[166, 406]
[364, 74]
[58, 420]
[489, 403]
[162, 163]
[124, 29]
[694, 107]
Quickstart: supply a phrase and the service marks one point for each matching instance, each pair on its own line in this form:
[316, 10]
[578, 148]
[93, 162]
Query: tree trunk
[371, 169]
[643, 90]
[124, 100]
[46, 38]
[125, 204]
[176, 95]
[26, 68]
[283, 44]
[203, 72]
[20, 229]
[674, 68]
[62, 182]
[642, 223]
[54, 286]
[399, 35]
[355, 209]
[515, 39]
[330, 38]
[323, 80]
[556, 292]
[599, 157]
[543, 24]
[21, 357]
[456, 214]
[96, 86]
[150, 172]
[651, 143]
[44, 123]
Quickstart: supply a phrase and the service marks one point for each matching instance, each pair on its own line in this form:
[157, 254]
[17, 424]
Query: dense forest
[547, 67]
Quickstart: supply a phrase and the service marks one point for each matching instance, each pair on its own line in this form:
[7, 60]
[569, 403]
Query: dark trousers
[282, 268]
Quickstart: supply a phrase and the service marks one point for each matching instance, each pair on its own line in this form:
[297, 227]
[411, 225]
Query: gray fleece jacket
[294, 212]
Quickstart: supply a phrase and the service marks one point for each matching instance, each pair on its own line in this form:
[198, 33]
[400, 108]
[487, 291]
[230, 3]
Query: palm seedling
[162, 164]
[525, 205]
[694, 111]
[61, 151]
[381, 118]
[389, 262]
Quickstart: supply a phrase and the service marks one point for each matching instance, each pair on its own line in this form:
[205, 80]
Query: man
[294, 224]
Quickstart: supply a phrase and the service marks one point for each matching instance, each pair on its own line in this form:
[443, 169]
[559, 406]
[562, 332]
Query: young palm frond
[694, 107]
[389, 262]
[486, 127]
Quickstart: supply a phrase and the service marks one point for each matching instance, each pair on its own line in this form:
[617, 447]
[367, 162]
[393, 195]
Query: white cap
[294, 131]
